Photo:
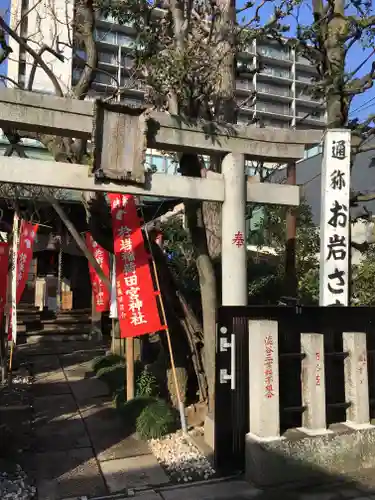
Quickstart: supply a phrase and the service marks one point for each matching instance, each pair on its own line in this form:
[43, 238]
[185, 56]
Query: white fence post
[356, 378]
[264, 404]
[313, 383]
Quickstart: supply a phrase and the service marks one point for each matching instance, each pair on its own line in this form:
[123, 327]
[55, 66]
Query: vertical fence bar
[313, 383]
[264, 404]
[356, 378]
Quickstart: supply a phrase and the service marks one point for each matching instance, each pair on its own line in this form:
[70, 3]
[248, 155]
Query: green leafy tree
[271, 229]
[363, 293]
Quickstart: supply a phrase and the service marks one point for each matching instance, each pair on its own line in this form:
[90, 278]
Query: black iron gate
[232, 368]
[231, 399]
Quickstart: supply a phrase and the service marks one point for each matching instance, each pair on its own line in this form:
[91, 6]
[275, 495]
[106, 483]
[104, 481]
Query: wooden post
[313, 383]
[356, 378]
[59, 280]
[264, 401]
[129, 368]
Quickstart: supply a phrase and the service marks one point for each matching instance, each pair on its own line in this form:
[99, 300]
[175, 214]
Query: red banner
[24, 257]
[136, 297]
[4, 262]
[101, 294]
[25, 254]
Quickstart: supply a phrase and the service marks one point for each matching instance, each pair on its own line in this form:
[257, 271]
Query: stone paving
[79, 444]
[241, 490]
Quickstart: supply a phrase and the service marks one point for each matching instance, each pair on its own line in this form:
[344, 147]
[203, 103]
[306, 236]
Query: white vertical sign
[334, 219]
[14, 277]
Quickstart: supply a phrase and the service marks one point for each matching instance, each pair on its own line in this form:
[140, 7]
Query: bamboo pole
[11, 357]
[181, 406]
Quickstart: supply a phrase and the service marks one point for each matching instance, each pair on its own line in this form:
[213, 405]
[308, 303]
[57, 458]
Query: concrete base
[302, 458]
[209, 431]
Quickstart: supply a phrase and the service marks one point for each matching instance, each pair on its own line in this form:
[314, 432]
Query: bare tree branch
[361, 85]
[44, 48]
[34, 54]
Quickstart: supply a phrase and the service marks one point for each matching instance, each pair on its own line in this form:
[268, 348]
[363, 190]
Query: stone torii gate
[65, 117]
[121, 136]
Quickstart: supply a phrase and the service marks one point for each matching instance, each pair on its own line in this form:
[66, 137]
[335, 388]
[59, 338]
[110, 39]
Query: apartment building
[282, 86]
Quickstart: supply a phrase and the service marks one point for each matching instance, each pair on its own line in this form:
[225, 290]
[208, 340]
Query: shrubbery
[105, 361]
[156, 420]
[146, 414]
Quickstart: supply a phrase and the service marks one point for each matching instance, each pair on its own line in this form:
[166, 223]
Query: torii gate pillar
[233, 266]
[233, 254]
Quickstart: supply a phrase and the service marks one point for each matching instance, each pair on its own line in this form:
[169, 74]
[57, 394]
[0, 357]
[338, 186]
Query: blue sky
[362, 105]
[4, 12]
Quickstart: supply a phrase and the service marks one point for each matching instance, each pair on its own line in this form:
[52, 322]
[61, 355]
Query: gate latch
[224, 375]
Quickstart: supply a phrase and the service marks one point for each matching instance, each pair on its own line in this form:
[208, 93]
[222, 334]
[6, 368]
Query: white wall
[48, 22]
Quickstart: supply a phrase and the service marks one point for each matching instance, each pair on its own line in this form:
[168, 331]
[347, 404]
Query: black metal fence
[232, 398]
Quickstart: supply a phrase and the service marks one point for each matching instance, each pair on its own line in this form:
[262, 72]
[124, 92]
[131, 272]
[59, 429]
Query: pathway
[79, 445]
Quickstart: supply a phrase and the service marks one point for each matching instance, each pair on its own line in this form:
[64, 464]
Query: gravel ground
[22, 379]
[14, 486]
[181, 459]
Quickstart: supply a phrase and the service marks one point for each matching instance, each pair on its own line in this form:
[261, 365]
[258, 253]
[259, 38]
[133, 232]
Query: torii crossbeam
[73, 118]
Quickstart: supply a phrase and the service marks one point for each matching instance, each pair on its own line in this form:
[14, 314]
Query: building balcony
[274, 93]
[244, 85]
[304, 64]
[273, 121]
[281, 112]
[283, 62]
[114, 69]
[310, 117]
[111, 22]
[276, 75]
[245, 54]
[110, 38]
[308, 101]
[304, 79]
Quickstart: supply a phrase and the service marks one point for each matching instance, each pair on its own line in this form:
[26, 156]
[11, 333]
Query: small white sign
[335, 219]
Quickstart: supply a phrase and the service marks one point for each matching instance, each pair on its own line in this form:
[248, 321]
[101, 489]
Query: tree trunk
[334, 52]
[184, 327]
[191, 165]
[212, 221]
